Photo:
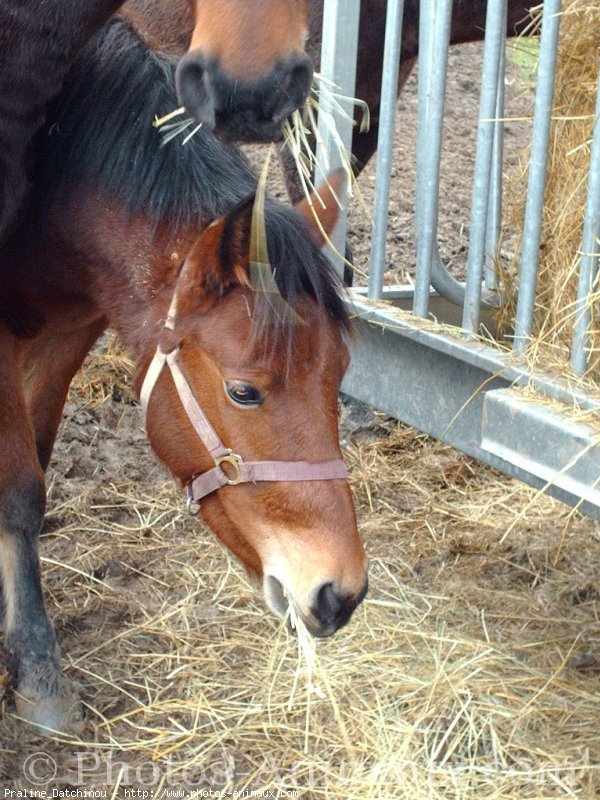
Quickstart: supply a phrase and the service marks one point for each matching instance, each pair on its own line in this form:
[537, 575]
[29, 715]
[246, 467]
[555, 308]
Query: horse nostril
[332, 609]
[293, 79]
[194, 89]
[329, 606]
[298, 78]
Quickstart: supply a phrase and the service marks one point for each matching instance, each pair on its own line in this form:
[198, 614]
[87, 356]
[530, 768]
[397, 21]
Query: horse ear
[323, 210]
[234, 246]
[217, 260]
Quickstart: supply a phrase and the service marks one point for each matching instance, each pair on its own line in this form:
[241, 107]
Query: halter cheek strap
[238, 470]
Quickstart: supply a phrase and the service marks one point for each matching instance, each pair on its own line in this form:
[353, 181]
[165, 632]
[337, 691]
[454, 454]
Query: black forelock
[313, 276]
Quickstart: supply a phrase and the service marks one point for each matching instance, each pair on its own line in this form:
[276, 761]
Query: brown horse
[245, 70]
[116, 235]
[244, 74]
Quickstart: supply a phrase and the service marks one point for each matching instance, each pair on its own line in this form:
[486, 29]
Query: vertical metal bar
[494, 217]
[338, 64]
[495, 27]
[534, 204]
[424, 67]
[590, 250]
[434, 38]
[385, 143]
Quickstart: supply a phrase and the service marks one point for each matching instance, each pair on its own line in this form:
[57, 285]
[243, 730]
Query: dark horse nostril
[292, 80]
[194, 89]
[333, 610]
[331, 607]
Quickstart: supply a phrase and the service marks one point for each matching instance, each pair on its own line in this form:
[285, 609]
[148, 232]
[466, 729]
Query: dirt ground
[471, 671]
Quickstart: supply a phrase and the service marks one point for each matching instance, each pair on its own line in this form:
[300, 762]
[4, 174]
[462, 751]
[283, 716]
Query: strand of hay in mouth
[300, 139]
[310, 668]
[297, 132]
[573, 119]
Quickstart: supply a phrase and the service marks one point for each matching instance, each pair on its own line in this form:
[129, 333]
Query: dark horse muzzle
[252, 111]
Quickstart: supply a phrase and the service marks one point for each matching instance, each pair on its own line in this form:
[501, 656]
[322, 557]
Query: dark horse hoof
[55, 709]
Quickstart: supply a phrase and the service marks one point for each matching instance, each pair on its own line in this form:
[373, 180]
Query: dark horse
[154, 242]
[244, 73]
[170, 28]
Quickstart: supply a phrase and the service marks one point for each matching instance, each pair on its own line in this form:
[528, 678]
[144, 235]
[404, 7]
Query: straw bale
[565, 196]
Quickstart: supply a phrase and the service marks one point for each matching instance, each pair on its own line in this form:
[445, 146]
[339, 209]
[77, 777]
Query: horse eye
[243, 394]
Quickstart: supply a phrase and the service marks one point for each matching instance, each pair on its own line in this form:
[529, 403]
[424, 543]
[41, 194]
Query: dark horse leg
[31, 402]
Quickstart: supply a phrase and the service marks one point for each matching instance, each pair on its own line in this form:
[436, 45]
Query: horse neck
[132, 269]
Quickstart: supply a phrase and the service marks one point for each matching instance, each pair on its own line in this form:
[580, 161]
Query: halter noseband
[240, 471]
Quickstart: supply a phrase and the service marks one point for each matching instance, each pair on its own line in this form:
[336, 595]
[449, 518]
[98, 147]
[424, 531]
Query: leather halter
[239, 471]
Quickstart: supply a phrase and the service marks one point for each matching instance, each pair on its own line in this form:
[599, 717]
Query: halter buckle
[192, 506]
[236, 462]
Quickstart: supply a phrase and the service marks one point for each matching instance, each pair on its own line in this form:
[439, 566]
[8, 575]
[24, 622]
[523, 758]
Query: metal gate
[440, 377]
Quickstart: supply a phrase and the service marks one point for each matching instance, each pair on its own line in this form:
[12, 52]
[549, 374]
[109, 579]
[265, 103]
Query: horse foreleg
[43, 695]
[31, 402]
[52, 361]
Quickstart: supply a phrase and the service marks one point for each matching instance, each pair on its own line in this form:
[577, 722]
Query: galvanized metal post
[434, 37]
[494, 216]
[385, 144]
[495, 27]
[590, 250]
[532, 226]
[338, 64]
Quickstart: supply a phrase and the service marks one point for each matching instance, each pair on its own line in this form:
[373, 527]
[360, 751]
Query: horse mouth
[238, 111]
[276, 597]
[247, 127]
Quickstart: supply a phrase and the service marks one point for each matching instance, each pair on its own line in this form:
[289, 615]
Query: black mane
[99, 136]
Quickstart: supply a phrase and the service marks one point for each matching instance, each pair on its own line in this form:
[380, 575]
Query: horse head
[264, 370]
[246, 70]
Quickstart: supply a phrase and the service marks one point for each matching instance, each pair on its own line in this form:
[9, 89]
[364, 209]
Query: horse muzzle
[238, 110]
[328, 610]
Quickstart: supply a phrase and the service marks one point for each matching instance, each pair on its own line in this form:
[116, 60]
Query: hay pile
[570, 139]
[470, 671]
